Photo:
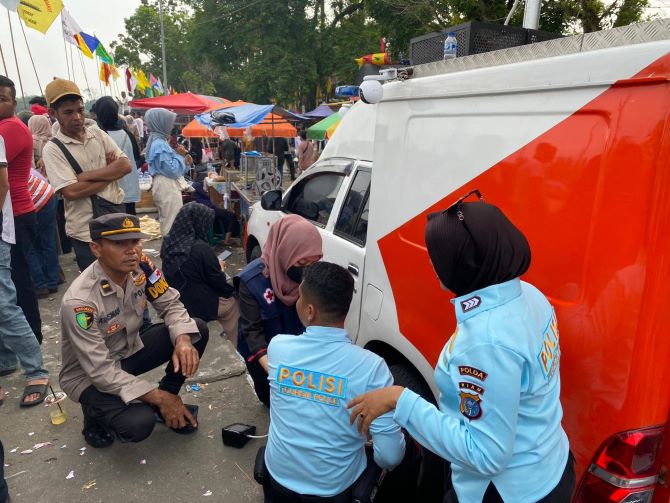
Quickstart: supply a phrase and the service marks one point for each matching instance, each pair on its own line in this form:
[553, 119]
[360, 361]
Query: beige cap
[58, 88]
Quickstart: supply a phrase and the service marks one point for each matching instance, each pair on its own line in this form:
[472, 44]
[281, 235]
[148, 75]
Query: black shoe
[189, 428]
[42, 293]
[95, 435]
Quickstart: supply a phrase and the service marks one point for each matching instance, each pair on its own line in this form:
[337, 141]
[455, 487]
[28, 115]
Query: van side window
[314, 198]
[352, 224]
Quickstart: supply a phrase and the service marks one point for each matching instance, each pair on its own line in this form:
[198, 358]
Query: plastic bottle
[450, 46]
[226, 201]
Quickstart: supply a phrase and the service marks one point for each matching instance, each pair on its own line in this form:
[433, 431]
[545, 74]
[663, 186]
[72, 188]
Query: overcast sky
[104, 18]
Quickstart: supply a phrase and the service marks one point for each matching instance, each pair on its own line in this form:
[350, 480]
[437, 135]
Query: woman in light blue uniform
[499, 417]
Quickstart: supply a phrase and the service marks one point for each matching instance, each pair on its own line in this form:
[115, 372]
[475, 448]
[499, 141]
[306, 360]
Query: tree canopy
[294, 52]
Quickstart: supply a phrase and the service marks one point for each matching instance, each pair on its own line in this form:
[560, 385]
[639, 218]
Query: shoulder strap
[73, 162]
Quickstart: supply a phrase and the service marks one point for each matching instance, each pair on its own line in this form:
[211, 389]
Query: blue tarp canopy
[245, 115]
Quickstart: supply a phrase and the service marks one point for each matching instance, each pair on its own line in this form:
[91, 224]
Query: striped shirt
[40, 190]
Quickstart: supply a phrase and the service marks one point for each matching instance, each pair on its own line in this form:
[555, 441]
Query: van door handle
[353, 269]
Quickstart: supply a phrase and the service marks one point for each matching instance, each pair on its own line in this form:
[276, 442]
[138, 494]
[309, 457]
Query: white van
[571, 138]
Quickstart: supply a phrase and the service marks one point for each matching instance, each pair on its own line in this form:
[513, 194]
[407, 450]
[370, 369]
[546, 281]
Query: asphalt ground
[166, 467]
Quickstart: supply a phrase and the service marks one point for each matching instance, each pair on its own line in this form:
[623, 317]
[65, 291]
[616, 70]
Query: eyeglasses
[458, 205]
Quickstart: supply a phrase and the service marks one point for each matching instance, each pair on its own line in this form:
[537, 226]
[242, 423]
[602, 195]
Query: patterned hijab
[192, 224]
[481, 249]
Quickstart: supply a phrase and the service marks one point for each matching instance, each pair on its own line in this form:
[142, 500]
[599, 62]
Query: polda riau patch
[471, 406]
[466, 370]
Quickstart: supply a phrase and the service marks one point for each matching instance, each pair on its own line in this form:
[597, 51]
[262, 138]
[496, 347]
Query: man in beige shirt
[103, 351]
[101, 161]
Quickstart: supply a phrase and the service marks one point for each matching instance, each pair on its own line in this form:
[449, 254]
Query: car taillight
[625, 469]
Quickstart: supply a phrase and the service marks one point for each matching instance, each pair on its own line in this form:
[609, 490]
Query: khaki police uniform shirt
[100, 326]
[90, 155]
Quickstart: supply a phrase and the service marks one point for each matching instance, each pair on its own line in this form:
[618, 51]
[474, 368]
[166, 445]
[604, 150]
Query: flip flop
[34, 388]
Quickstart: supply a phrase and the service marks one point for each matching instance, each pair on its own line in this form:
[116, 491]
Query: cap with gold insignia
[116, 226]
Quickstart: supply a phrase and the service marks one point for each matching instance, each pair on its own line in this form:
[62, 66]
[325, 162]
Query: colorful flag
[82, 46]
[131, 81]
[115, 72]
[70, 27]
[10, 4]
[105, 72]
[40, 14]
[102, 53]
[90, 41]
[159, 86]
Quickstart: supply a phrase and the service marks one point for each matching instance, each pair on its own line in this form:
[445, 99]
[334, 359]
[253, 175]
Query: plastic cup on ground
[56, 404]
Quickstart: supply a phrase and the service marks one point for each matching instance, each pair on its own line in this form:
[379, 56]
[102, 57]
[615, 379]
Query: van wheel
[255, 253]
[405, 375]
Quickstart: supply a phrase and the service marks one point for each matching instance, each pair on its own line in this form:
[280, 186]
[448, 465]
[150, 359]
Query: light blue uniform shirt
[500, 416]
[163, 160]
[311, 447]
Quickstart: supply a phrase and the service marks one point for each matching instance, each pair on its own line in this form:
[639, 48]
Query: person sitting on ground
[268, 290]
[192, 267]
[103, 351]
[312, 377]
[223, 219]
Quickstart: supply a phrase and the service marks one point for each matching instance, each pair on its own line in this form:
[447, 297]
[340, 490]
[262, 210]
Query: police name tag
[311, 385]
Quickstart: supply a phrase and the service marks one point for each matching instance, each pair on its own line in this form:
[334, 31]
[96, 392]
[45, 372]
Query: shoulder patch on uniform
[155, 276]
[471, 386]
[269, 295]
[471, 406]
[84, 320]
[464, 370]
[471, 303]
[310, 385]
[83, 309]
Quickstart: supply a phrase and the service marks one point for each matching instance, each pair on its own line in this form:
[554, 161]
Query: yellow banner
[39, 14]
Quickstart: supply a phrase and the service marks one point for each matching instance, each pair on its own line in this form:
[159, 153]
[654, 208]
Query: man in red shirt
[19, 145]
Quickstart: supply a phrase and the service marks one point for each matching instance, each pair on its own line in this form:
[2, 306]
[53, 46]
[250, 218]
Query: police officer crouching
[102, 348]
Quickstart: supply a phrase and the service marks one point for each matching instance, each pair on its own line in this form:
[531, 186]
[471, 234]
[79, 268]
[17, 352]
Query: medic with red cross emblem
[498, 424]
[268, 291]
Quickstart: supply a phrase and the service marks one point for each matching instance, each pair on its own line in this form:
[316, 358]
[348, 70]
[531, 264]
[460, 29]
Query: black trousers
[135, 422]
[4, 492]
[560, 494]
[83, 253]
[65, 243]
[26, 297]
[274, 492]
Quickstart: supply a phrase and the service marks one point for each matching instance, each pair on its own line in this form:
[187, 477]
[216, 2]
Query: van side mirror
[271, 200]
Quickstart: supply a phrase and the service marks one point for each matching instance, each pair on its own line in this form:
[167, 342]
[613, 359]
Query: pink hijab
[290, 239]
[40, 127]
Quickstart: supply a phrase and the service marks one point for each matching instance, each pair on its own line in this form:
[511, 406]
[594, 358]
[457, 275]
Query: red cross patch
[269, 296]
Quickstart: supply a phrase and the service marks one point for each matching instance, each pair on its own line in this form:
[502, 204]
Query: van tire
[405, 375]
[254, 253]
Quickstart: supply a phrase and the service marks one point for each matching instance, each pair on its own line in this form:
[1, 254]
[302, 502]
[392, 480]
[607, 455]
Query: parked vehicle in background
[571, 139]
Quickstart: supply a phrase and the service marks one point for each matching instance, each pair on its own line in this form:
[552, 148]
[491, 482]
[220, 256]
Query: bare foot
[34, 396]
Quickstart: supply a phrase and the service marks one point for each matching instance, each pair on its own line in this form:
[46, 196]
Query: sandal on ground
[189, 428]
[30, 389]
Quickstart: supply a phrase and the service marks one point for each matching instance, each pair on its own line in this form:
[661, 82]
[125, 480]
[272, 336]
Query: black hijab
[107, 114]
[192, 224]
[482, 249]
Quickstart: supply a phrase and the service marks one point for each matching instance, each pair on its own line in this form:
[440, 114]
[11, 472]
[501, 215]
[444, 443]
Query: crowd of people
[334, 408]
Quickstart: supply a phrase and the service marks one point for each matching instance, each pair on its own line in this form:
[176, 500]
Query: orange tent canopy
[282, 128]
[196, 130]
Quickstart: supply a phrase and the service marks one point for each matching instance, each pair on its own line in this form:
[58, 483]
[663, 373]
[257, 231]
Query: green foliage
[294, 52]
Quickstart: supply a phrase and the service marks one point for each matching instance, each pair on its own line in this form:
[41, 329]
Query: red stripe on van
[590, 196]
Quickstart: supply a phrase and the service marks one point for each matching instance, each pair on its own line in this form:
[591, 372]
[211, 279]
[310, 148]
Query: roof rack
[626, 35]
